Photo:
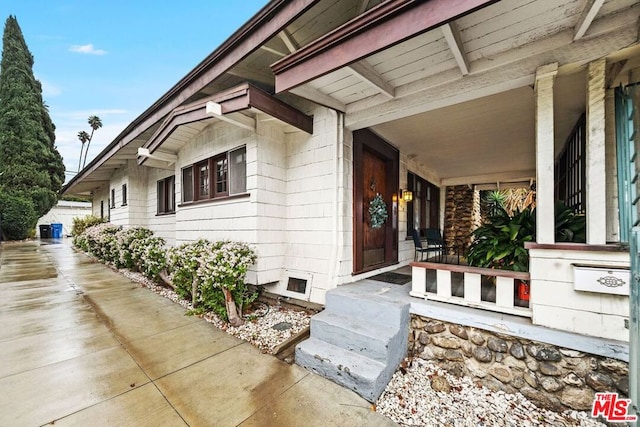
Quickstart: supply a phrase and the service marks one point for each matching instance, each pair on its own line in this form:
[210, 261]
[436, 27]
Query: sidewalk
[82, 345]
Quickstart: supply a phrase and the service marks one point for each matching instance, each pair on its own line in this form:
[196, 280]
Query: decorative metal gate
[628, 144]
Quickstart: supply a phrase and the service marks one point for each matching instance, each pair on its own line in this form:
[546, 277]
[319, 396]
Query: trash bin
[45, 231]
[56, 231]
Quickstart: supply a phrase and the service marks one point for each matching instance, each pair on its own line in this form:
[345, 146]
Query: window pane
[187, 184]
[161, 197]
[170, 189]
[221, 175]
[238, 171]
[124, 194]
[203, 180]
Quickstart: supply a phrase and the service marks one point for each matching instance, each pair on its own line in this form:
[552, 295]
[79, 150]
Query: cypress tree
[31, 168]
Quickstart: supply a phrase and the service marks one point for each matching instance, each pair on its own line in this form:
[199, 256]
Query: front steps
[358, 341]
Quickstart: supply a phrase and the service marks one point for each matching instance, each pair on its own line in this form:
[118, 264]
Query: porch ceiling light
[407, 195]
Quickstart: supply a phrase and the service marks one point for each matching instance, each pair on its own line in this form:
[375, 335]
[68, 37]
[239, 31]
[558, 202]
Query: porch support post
[545, 224]
[596, 178]
[611, 168]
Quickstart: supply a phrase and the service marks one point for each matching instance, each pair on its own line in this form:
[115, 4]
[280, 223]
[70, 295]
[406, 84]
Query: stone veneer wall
[461, 216]
[551, 377]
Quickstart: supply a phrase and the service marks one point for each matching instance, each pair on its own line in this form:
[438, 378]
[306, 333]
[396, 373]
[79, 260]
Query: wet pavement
[82, 345]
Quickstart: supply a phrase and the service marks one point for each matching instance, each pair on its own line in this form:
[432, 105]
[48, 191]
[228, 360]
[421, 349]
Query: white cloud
[87, 49]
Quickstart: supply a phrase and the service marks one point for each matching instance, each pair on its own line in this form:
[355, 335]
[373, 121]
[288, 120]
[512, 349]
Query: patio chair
[435, 242]
[420, 248]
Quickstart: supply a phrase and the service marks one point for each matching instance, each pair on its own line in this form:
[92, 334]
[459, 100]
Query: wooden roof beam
[319, 98]
[589, 13]
[452, 36]
[214, 109]
[367, 73]
[288, 41]
[379, 28]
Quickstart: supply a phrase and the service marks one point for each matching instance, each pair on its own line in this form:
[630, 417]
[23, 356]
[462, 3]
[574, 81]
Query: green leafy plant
[500, 242]
[570, 227]
[18, 216]
[82, 223]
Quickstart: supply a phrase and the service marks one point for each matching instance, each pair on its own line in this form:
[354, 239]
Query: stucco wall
[556, 304]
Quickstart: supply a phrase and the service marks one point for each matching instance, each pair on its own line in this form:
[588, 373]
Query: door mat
[391, 277]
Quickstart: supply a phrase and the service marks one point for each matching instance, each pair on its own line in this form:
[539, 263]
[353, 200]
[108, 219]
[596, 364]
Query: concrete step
[356, 372]
[373, 308]
[378, 342]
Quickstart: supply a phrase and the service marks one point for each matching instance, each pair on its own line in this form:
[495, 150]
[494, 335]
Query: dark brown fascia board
[236, 99]
[381, 27]
[264, 25]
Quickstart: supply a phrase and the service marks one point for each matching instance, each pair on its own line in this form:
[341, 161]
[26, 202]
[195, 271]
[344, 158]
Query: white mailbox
[601, 278]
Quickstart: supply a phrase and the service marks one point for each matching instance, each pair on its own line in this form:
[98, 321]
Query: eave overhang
[241, 98]
[381, 27]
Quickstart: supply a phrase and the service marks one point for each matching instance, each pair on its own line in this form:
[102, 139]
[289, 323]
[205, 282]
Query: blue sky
[115, 58]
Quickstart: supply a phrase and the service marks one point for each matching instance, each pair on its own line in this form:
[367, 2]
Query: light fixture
[407, 195]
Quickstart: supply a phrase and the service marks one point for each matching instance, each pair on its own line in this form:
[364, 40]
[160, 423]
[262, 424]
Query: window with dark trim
[424, 210]
[101, 208]
[166, 195]
[124, 194]
[218, 176]
[113, 198]
[570, 169]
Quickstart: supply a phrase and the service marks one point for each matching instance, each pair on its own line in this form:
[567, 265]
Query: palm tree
[95, 123]
[83, 137]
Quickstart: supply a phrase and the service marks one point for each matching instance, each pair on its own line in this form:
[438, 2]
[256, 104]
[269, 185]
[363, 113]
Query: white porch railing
[472, 286]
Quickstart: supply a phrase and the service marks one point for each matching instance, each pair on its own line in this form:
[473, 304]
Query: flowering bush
[183, 262]
[133, 248]
[211, 274]
[82, 223]
[101, 241]
[128, 240]
[210, 268]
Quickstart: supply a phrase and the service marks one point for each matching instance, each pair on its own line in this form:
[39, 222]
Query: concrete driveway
[82, 345]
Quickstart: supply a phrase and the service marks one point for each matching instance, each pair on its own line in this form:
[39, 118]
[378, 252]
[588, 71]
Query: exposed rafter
[589, 13]
[613, 71]
[288, 41]
[272, 50]
[319, 98]
[364, 5]
[367, 73]
[452, 36]
[162, 156]
[240, 120]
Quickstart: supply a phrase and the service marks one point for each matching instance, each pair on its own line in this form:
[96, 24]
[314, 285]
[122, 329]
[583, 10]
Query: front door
[375, 202]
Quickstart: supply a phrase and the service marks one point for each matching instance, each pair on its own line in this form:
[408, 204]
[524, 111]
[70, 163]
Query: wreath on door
[378, 211]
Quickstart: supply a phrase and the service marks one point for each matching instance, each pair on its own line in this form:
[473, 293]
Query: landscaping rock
[550, 384]
[445, 342]
[572, 379]
[623, 385]
[423, 338]
[615, 366]
[477, 339]
[549, 369]
[440, 383]
[514, 363]
[530, 379]
[571, 353]
[482, 354]
[577, 398]
[458, 331]
[454, 355]
[518, 381]
[475, 368]
[599, 381]
[517, 351]
[434, 327]
[548, 355]
[532, 349]
[501, 373]
[427, 354]
[497, 345]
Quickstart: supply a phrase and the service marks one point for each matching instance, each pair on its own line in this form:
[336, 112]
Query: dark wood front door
[375, 173]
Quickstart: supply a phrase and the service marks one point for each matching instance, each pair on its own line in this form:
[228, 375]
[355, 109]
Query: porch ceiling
[459, 98]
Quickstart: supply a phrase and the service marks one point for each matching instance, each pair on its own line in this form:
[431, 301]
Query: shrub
[182, 265]
[127, 241]
[101, 241]
[18, 216]
[153, 258]
[82, 223]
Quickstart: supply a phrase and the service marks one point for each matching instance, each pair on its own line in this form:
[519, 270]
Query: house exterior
[284, 135]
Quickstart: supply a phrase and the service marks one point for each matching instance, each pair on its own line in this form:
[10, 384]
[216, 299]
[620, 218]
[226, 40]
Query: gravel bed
[258, 328]
[409, 400]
